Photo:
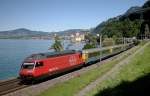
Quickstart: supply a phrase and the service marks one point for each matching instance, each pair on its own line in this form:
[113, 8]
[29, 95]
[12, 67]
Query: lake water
[13, 52]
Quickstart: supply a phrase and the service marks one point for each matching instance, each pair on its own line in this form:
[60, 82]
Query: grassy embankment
[133, 79]
[72, 86]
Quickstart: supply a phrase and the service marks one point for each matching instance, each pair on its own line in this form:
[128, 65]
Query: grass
[72, 86]
[131, 80]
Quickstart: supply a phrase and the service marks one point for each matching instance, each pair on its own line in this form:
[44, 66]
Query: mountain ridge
[24, 33]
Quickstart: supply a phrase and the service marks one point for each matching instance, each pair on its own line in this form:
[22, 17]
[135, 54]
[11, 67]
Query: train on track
[42, 65]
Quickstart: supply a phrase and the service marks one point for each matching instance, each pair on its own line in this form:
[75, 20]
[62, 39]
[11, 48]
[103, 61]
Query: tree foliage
[57, 46]
[88, 46]
[91, 41]
[118, 28]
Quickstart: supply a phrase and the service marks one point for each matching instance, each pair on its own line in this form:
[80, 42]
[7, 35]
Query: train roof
[50, 54]
[103, 48]
[59, 53]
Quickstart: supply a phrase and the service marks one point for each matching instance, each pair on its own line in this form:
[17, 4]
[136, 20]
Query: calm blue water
[13, 52]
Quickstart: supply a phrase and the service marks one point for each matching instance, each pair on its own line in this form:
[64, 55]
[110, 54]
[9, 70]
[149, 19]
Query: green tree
[90, 38]
[88, 46]
[91, 41]
[130, 28]
[57, 46]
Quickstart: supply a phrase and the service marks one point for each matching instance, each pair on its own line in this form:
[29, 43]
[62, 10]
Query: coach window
[38, 64]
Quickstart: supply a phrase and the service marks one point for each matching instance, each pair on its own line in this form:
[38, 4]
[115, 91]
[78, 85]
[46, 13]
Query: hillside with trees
[122, 27]
[113, 27]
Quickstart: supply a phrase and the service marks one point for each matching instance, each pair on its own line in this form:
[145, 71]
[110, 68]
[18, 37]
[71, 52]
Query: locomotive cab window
[39, 64]
[28, 65]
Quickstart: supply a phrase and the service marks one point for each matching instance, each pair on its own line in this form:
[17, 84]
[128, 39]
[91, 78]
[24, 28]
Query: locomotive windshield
[28, 65]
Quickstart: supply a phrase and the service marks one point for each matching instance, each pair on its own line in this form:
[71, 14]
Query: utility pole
[100, 38]
[124, 42]
[100, 45]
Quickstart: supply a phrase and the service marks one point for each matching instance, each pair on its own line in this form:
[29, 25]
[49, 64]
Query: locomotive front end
[27, 71]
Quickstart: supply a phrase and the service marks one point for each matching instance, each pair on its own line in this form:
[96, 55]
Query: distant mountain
[72, 31]
[102, 25]
[132, 10]
[146, 4]
[24, 33]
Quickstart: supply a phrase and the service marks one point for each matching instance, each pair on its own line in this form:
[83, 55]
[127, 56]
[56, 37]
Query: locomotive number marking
[72, 60]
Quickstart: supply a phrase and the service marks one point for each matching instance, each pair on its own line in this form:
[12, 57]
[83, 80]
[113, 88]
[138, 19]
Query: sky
[59, 15]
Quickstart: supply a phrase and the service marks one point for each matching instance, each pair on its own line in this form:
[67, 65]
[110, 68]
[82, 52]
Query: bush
[88, 46]
[136, 42]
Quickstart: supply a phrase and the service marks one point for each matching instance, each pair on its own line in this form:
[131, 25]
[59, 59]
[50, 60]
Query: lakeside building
[77, 37]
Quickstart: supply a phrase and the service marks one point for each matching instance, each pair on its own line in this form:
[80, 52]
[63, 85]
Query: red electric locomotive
[41, 65]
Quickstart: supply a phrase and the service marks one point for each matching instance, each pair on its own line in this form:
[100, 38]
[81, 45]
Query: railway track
[13, 85]
[8, 81]
[10, 86]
